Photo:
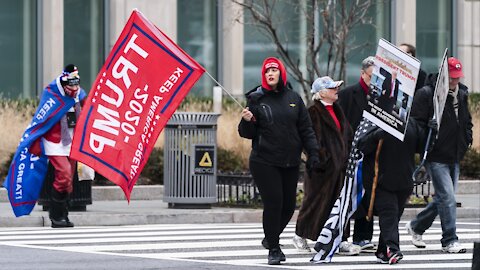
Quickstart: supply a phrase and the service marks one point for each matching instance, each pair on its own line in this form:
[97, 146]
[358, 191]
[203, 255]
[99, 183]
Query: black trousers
[389, 206]
[278, 189]
[362, 229]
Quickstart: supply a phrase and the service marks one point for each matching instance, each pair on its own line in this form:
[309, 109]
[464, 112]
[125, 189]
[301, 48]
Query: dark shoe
[265, 243]
[395, 257]
[266, 246]
[62, 223]
[366, 246]
[275, 256]
[381, 258]
[282, 256]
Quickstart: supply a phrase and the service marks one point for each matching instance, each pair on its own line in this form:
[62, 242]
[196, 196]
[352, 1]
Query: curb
[176, 216]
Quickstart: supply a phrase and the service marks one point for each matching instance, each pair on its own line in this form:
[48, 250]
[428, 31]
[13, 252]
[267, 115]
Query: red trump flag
[139, 87]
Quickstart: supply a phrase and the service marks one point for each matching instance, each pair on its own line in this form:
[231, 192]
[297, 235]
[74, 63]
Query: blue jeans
[445, 180]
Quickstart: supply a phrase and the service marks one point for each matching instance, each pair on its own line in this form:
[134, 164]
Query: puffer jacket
[281, 129]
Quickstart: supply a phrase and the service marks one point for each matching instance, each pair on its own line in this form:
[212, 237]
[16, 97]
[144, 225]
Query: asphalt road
[200, 246]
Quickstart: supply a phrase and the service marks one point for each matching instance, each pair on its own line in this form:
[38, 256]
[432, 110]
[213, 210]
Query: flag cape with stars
[27, 171]
[143, 81]
[346, 203]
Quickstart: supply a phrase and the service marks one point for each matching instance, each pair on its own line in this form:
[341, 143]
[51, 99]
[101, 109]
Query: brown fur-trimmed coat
[324, 186]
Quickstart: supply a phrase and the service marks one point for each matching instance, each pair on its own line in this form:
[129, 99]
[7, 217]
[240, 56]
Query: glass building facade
[199, 24]
[18, 48]
[84, 42]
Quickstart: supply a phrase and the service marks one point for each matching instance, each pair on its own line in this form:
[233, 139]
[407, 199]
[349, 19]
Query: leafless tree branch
[334, 18]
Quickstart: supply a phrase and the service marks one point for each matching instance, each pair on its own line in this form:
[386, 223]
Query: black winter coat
[281, 130]
[455, 135]
[397, 158]
[353, 101]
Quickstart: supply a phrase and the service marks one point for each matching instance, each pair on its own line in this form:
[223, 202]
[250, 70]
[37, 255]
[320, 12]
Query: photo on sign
[392, 89]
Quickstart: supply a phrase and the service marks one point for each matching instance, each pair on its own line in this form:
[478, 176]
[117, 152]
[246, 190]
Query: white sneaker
[416, 238]
[300, 244]
[454, 247]
[348, 249]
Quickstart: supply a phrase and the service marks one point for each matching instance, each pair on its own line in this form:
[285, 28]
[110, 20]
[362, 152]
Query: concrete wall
[52, 29]
[468, 33]
[161, 13]
[405, 22]
[232, 60]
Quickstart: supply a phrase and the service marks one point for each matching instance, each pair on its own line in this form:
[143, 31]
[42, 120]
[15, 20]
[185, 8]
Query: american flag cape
[346, 203]
[27, 171]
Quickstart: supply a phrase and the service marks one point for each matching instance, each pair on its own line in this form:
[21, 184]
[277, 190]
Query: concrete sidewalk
[146, 207]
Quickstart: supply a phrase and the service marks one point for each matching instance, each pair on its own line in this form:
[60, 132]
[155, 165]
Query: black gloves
[378, 134]
[433, 124]
[313, 164]
[368, 142]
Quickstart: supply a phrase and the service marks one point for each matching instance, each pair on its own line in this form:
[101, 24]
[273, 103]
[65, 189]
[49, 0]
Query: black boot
[58, 210]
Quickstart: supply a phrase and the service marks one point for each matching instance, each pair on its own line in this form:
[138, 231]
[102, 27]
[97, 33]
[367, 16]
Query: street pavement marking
[230, 244]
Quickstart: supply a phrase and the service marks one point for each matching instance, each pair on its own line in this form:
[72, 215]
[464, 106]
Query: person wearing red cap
[278, 123]
[442, 163]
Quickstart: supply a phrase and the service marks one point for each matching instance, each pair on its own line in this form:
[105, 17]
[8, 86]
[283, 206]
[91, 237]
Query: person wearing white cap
[323, 185]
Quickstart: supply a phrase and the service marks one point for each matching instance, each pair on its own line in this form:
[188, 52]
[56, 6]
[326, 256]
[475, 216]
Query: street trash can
[190, 160]
[80, 197]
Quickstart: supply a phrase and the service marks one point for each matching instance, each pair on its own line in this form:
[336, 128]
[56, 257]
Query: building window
[292, 23]
[365, 38]
[197, 35]
[434, 33]
[84, 42]
[258, 46]
[18, 43]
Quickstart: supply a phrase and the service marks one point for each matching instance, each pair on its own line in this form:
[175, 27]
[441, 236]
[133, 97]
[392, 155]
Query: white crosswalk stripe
[231, 244]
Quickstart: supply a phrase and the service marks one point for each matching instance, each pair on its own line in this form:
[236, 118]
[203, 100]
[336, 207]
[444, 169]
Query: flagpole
[223, 88]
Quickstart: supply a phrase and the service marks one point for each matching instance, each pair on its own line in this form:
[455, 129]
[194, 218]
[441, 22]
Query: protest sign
[392, 88]
[441, 89]
[144, 79]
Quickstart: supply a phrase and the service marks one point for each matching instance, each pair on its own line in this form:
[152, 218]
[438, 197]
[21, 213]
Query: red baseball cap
[454, 68]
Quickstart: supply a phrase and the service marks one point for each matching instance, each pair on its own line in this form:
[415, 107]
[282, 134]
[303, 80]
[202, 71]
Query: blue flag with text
[27, 171]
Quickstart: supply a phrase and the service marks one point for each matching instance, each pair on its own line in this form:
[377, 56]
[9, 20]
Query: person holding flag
[396, 164]
[277, 122]
[334, 137]
[48, 139]
[442, 162]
